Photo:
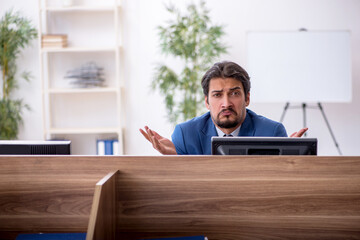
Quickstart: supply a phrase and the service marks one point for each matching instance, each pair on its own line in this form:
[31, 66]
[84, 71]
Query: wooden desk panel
[224, 197]
[242, 199]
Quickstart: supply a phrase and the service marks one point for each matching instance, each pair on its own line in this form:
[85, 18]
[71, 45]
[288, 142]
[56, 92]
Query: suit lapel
[207, 132]
[247, 127]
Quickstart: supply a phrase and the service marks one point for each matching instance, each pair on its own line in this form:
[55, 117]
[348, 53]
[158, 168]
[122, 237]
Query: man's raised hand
[161, 144]
[299, 133]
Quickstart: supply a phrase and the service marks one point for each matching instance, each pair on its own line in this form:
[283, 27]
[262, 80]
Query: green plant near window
[197, 42]
[15, 34]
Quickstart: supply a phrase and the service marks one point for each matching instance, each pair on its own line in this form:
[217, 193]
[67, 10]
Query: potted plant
[15, 34]
[194, 39]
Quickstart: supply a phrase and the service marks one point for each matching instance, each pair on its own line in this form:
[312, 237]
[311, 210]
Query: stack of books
[54, 41]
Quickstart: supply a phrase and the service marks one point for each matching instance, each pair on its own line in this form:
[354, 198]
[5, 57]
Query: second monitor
[17, 147]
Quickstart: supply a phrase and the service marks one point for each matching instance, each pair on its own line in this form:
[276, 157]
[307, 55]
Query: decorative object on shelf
[16, 32]
[54, 41]
[194, 39]
[87, 76]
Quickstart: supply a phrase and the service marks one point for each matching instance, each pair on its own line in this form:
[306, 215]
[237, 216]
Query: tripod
[304, 106]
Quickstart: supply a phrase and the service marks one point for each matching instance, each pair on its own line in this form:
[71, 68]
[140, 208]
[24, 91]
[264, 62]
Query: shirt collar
[235, 133]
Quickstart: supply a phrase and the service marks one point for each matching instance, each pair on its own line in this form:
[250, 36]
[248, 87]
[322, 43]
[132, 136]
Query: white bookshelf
[78, 49]
[82, 115]
[82, 130]
[82, 90]
[81, 9]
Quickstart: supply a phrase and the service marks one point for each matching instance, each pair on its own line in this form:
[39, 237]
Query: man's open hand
[163, 145]
[299, 133]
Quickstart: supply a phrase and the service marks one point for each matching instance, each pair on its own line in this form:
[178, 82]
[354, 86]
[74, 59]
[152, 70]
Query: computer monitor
[263, 146]
[16, 147]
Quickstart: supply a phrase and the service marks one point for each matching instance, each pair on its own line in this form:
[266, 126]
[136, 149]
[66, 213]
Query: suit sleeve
[178, 140]
[280, 130]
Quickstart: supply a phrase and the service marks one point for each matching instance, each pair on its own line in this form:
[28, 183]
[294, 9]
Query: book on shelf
[51, 45]
[54, 40]
[52, 37]
[107, 147]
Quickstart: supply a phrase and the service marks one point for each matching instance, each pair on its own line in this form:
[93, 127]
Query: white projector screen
[299, 66]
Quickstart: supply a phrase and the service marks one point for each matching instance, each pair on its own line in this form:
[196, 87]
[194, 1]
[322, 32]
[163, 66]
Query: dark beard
[226, 123]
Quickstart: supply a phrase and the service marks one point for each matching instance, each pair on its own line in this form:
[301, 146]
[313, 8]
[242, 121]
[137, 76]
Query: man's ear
[247, 99]
[207, 102]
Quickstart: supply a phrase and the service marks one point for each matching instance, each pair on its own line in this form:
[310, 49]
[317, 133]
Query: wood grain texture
[102, 222]
[223, 197]
[288, 199]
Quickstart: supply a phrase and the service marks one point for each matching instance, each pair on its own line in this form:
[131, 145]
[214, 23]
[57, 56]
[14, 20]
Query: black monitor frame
[263, 146]
[17, 147]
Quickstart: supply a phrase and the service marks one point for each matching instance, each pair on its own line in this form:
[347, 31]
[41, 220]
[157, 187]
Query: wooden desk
[221, 197]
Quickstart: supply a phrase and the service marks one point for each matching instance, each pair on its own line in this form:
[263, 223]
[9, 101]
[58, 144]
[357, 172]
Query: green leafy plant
[15, 34]
[197, 42]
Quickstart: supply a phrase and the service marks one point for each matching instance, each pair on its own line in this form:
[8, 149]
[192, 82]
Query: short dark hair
[226, 69]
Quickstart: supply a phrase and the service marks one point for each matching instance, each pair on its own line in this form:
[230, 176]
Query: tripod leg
[284, 111]
[304, 117]
[328, 125]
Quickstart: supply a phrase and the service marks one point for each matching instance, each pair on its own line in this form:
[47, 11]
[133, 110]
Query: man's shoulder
[263, 126]
[196, 121]
[260, 119]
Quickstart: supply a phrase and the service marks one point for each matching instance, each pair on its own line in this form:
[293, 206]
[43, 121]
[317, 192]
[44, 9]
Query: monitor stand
[304, 106]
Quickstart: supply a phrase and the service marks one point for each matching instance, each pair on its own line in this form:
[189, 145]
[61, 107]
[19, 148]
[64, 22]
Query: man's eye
[217, 95]
[236, 93]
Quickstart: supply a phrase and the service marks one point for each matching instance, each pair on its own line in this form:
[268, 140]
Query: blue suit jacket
[194, 136]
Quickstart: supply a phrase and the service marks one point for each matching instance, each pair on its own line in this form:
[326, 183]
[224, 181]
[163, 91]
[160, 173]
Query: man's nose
[226, 102]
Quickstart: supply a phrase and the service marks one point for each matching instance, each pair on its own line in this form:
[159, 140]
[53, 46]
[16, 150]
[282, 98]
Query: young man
[226, 87]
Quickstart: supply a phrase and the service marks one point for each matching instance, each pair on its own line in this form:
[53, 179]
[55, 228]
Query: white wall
[141, 53]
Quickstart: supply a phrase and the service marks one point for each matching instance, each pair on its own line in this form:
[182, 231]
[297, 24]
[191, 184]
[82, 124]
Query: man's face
[227, 103]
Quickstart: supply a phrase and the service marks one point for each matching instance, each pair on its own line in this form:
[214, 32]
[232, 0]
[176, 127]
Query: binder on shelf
[107, 147]
[115, 147]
